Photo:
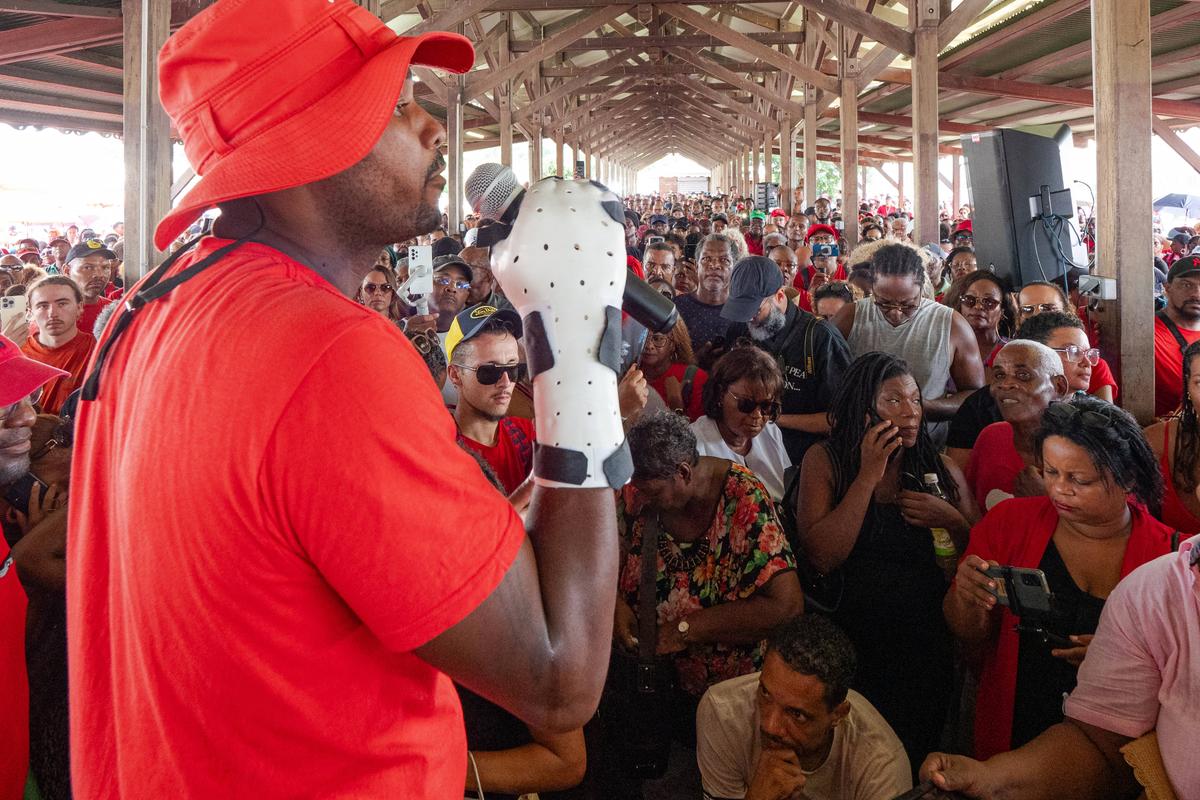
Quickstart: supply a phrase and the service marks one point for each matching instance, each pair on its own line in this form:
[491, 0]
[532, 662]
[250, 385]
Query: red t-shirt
[262, 547]
[694, 405]
[994, 463]
[1102, 376]
[511, 457]
[72, 357]
[1168, 367]
[14, 721]
[87, 320]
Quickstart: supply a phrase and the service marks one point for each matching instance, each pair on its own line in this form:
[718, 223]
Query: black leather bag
[638, 708]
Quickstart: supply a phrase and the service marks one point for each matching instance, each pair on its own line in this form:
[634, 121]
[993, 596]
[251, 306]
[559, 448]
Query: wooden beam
[1121, 66]
[390, 9]
[145, 24]
[748, 45]
[488, 81]
[572, 86]
[1168, 135]
[57, 36]
[925, 137]
[872, 26]
[454, 153]
[595, 102]
[848, 109]
[723, 99]
[708, 65]
[49, 8]
[959, 20]
[504, 104]
[641, 43]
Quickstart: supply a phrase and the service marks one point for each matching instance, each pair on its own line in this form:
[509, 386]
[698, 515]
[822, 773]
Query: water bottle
[944, 551]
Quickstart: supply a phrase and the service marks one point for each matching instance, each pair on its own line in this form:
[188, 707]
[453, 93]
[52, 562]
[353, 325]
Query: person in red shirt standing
[88, 265]
[20, 377]
[314, 560]
[55, 304]
[485, 367]
[1175, 327]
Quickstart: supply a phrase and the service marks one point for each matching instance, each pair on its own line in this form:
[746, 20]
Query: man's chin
[12, 470]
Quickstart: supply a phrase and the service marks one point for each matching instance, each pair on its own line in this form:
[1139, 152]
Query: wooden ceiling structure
[724, 82]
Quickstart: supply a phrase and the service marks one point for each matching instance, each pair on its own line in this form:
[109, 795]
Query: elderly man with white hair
[1026, 377]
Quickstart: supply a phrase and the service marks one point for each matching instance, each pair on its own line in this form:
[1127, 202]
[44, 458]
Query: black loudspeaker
[766, 196]
[1020, 199]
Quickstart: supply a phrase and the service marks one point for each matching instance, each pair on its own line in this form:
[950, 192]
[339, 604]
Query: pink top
[1142, 670]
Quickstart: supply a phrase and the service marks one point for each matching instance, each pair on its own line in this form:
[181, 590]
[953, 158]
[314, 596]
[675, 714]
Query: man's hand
[777, 776]
[625, 626]
[632, 392]
[674, 392]
[1074, 655]
[952, 773]
[421, 322]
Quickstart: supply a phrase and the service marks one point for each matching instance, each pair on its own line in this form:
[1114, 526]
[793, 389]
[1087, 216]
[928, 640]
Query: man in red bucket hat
[278, 557]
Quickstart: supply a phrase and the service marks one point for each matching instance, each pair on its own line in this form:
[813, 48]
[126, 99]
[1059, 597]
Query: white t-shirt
[767, 459]
[866, 761]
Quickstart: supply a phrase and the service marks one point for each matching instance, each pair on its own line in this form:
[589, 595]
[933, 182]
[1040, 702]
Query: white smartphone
[11, 307]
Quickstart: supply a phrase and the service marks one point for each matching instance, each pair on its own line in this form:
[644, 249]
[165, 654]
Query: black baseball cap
[470, 321]
[89, 247]
[1188, 265]
[721, 217]
[755, 278]
[657, 218]
[445, 262]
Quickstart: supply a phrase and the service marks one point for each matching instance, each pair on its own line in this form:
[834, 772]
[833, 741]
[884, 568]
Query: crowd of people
[834, 450]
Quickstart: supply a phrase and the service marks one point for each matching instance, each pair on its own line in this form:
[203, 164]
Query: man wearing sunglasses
[485, 367]
[811, 354]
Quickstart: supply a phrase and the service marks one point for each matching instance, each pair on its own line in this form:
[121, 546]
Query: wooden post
[754, 172]
[535, 154]
[848, 77]
[454, 153]
[787, 162]
[503, 97]
[558, 152]
[810, 148]
[768, 149]
[1121, 67]
[147, 23]
[956, 184]
[925, 123]
[900, 197]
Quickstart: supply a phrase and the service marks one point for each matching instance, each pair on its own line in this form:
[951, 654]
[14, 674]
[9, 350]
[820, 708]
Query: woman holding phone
[1088, 531]
[864, 512]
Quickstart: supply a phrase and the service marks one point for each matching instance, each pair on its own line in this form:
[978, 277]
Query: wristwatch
[683, 627]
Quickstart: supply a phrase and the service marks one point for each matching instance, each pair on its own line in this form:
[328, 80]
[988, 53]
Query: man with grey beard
[811, 353]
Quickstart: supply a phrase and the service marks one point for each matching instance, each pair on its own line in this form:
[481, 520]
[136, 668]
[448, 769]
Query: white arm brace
[563, 269]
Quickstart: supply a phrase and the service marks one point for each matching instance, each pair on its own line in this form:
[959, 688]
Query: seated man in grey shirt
[795, 731]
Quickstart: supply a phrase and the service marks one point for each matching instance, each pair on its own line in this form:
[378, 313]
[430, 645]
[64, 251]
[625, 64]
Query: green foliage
[829, 180]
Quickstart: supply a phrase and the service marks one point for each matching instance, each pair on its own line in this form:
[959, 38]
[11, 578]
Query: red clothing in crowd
[1168, 367]
[1016, 533]
[511, 457]
[72, 357]
[693, 406]
[1102, 376]
[87, 320]
[266, 547]
[754, 247]
[1174, 512]
[994, 463]
[14, 722]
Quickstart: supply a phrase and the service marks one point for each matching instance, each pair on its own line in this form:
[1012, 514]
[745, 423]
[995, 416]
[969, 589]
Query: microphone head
[491, 189]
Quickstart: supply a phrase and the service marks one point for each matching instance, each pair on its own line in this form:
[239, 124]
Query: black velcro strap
[610, 341]
[618, 467]
[559, 464]
[539, 348]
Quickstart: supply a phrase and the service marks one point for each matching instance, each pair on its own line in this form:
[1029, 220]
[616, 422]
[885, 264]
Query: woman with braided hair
[863, 511]
[1176, 443]
[1089, 530]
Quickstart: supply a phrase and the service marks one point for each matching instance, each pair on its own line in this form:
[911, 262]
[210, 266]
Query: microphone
[494, 193]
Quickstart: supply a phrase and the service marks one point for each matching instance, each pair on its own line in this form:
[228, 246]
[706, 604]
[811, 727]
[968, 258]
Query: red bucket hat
[254, 85]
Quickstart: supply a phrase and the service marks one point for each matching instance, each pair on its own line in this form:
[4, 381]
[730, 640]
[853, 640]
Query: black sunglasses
[489, 374]
[768, 408]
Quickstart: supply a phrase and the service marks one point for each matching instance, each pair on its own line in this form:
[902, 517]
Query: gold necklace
[675, 560]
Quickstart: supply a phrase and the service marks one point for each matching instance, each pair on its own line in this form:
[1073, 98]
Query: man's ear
[841, 711]
[454, 375]
[1061, 386]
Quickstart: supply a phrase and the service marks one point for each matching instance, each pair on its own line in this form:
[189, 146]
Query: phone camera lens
[1029, 580]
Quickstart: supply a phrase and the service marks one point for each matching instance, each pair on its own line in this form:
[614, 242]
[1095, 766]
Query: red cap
[814, 229]
[21, 375]
[25, 251]
[965, 225]
[269, 96]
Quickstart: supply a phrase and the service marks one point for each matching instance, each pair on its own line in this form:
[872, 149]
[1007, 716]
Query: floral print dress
[746, 549]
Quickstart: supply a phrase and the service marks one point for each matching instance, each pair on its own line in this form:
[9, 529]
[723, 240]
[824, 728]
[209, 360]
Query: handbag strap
[648, 593]
[1173, 329]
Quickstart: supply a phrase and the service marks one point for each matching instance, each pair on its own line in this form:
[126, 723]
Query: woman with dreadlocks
[865, 513]
[1176, 443]
[1089, 530]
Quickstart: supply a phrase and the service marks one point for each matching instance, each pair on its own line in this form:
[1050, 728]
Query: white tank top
[923, 340]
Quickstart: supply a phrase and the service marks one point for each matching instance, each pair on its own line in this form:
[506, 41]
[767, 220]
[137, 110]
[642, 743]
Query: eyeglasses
[376, 288]
[905, 308]
[659, 339]
[987, 303]
[490, 374]
[425, 342]
[1041, 308]
[7, 411]
[1074, 352]
[1066, 412]
[460, 285]
[768, 408]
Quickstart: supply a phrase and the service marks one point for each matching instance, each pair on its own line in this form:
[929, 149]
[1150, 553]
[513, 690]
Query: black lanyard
[149, 291]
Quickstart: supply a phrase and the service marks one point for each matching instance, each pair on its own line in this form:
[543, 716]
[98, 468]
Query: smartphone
[654, 239]
[1022, 589]
[17, 495]
[10, 307]
[825, 250]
